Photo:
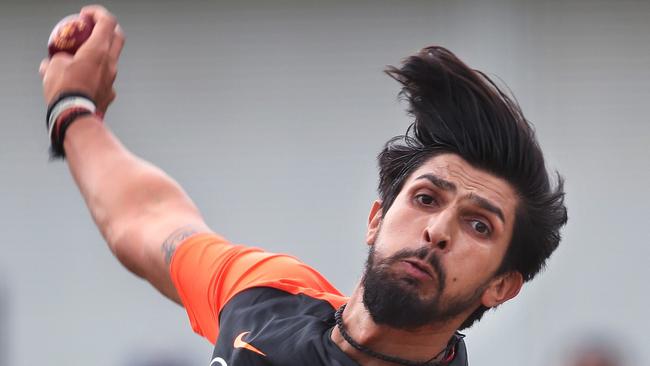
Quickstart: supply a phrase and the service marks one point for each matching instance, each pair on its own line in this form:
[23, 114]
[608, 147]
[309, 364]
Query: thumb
[42, 68]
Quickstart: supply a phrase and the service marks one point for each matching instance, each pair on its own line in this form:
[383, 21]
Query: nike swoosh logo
[218, 360]
[240, 343]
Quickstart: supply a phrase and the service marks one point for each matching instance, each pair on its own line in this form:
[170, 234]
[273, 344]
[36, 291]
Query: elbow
[137, 240]
[123, 240]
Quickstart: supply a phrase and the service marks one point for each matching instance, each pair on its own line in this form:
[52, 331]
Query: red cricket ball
[69, 34]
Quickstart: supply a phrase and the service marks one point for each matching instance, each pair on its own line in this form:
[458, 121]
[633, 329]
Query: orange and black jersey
[260, 308]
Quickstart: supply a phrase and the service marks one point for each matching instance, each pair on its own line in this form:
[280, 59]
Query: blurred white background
[271, 113]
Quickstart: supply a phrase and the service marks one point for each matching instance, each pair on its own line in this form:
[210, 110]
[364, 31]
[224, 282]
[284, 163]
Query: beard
[400, 302]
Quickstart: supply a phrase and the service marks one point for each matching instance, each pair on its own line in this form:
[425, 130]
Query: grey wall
[270, 115]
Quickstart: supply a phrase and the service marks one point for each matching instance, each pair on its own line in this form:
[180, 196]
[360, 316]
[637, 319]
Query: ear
[374, 222]
[502, 288]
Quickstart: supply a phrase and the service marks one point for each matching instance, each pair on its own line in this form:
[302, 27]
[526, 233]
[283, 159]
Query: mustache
[425, 254]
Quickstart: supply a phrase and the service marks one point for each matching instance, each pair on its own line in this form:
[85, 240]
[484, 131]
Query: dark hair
[461, 111]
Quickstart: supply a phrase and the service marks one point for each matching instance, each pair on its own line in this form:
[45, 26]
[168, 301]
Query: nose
[438, 232]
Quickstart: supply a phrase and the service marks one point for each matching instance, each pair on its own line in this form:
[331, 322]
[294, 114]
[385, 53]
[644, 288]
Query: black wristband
[56, 147]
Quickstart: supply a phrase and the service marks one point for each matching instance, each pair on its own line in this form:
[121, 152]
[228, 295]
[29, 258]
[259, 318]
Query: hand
[93, 68]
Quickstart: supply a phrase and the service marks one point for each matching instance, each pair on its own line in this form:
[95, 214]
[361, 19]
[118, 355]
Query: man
[466, 215]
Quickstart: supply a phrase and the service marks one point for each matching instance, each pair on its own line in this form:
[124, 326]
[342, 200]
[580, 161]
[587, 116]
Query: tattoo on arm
[169, 245]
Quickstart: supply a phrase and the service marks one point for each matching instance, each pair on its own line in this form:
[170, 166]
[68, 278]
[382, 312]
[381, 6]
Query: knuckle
[99, 13]
[110, 18]
[92, 10]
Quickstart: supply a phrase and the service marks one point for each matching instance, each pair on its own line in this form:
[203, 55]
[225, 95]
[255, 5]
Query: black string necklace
[338, 316]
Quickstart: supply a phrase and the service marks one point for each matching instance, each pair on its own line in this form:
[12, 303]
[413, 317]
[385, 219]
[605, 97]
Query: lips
[421, 266]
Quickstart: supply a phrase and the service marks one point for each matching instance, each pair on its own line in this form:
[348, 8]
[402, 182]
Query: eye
[480, 227]
[425, 199]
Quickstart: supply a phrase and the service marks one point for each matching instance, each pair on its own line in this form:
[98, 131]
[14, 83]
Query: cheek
[405, 221]
[396, 230]
[470, 265]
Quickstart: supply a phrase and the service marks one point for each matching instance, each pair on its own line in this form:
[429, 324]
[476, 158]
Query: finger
[58, 59]
[54, 65]
[118, 44]
[42, 68]
[103, 32]
[94, 11]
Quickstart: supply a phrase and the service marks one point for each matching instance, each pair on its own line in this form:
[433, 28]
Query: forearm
[104, 172]
[135, 205]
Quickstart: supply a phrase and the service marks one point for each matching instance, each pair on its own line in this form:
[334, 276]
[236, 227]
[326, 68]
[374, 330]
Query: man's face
[435, 254]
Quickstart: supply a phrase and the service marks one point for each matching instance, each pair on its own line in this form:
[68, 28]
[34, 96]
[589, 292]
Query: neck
[420, 345]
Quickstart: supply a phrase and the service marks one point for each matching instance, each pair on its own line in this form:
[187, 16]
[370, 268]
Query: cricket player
[466, 214]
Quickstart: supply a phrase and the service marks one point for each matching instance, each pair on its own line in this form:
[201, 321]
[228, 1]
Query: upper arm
[208, 271]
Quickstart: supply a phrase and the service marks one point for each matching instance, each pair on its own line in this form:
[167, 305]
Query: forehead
[467, 179]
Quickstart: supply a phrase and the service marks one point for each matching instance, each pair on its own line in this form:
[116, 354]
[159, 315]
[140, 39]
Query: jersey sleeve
[207, 271]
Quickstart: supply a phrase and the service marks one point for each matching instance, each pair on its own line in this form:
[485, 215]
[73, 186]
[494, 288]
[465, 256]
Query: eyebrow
[445, 185]
[487, 205]
[481, 202]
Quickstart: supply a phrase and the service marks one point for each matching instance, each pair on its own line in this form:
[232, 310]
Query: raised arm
[142, 213]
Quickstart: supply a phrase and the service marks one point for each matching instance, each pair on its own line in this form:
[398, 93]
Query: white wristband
[67, 103]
